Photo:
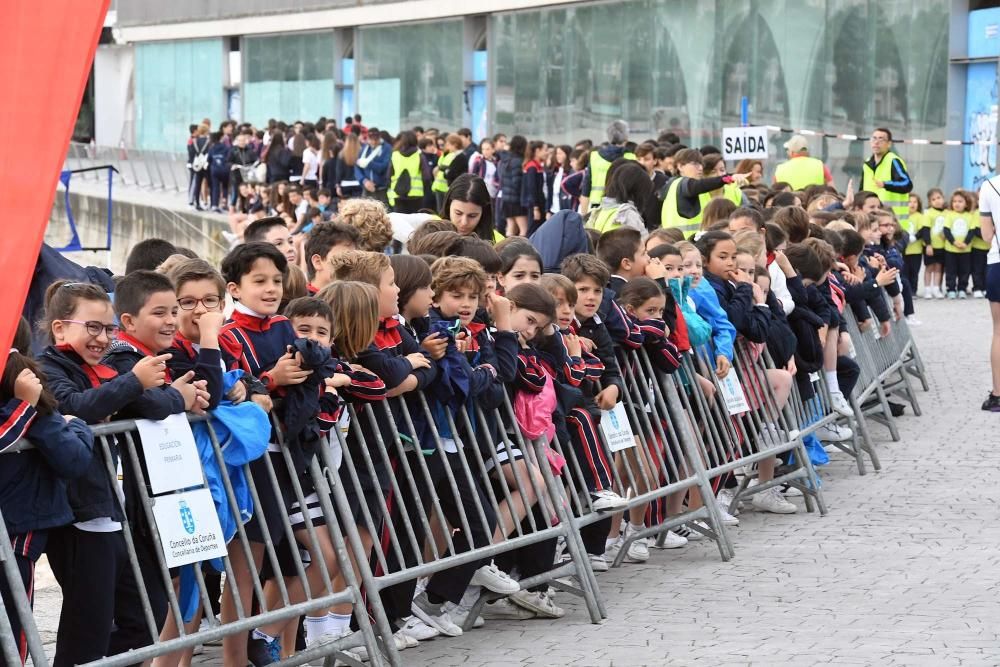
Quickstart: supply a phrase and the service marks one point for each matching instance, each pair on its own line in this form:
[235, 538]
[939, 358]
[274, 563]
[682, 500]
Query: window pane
[177, 84]
[289, 77]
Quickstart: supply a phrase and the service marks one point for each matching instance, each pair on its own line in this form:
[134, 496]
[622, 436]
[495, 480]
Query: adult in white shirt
[989, 204]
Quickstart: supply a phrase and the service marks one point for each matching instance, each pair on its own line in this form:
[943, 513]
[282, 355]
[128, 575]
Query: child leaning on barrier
[259, 341]
[747, 310]
[80, 323]
[313, 319]
[625, 254]
[33, 496]
[863, 283]
[477, 363]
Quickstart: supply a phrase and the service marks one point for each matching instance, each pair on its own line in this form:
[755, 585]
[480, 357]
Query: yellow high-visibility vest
[801, 172]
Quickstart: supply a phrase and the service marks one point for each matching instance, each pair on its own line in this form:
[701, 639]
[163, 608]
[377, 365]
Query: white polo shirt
[989, 205]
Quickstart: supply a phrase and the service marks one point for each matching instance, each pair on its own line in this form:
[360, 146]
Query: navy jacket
[94, 394]
[32, 490]
[751, 321]
[604, 349]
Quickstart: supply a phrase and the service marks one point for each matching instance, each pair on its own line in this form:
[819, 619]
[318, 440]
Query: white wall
[114, 111]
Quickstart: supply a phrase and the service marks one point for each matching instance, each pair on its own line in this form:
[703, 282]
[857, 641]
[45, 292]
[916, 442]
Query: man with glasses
[885, 174]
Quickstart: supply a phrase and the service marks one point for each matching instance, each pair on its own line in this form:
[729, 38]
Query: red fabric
[47, 83]
[388, 337]
[252, 323]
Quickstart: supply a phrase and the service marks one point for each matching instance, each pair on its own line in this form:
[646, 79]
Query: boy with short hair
[147, 308]
[258, 339]
[272, 230]
[323, 242]
[623, 251]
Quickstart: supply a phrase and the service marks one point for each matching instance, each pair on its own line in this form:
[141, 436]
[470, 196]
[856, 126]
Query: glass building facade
[176, 84]
[288, 77]
[410, 74]
[837, 66]
[563, 72]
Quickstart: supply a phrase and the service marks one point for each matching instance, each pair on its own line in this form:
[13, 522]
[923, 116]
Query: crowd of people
[362, 265]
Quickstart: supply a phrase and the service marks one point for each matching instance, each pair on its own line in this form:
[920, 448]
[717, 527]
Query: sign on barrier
[617, 431]
[189, 527]
[171, 456]
[733, 395]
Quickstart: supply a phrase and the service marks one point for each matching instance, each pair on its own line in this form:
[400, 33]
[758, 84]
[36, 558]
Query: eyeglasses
[94, 328]
[210, 302]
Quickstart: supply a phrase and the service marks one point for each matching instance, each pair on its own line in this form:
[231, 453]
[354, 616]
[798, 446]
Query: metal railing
[410, 490]
[150, 170]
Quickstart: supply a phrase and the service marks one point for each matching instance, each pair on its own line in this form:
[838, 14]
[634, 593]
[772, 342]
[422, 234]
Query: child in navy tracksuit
[95, 384]
[485, 362]
[33, 495]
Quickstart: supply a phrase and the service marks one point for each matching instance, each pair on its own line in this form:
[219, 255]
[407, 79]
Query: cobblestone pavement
[902, 571]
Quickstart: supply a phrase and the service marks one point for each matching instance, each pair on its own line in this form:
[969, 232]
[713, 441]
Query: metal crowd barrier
[480, 490]
[152, 170]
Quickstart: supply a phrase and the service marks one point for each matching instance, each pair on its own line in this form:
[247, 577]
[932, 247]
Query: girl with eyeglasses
[102, 612]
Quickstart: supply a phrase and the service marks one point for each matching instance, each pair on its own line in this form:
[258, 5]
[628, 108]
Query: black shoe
[992, 403]
[896, 409]
[261, 652]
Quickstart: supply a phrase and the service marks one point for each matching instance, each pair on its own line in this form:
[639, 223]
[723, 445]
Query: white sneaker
[541, 604]
[607, 501]
[599, 562]
[420, 631]
[772, 501]
[726, 496]
[460, 612]
[961, 294]
[505, 610]
[671, 541]
[403, 641]
[724, 515]
[638, 550]
[689, 534]
[793, 492]
[434, 616]
[834, 433]
[326, 637]
[913, 321]
[840, 404]
[978, 294]
[495, 579]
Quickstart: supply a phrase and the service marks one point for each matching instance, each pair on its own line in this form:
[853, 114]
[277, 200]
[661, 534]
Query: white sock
[340, 621]
[608, 542]
[831, 381]
[640, 526]
[257, 634]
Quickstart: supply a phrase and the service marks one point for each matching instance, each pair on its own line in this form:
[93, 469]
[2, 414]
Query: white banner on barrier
[732, 394]
[189, 527]
[617, 430]
[172, 459]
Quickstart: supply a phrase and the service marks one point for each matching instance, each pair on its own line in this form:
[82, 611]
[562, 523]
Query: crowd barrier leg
[22, 610]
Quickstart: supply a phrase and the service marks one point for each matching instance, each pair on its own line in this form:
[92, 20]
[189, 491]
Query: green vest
[411, 165]
[440, 183]
[603, 220]
[800, 172]
[960, 224]
[935, 220]
[670, 217]
[599, 175]
[913, 224]
[899, 203]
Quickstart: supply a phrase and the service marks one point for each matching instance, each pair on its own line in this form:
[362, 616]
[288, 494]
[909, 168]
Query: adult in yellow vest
[682, 206]
[801, 171]
[714, 165]
[884, 173]
[408, 169]
[451, 165]
[596, 175]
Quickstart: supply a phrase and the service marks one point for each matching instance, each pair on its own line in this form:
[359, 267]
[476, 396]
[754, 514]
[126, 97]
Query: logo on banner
[187, 518]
